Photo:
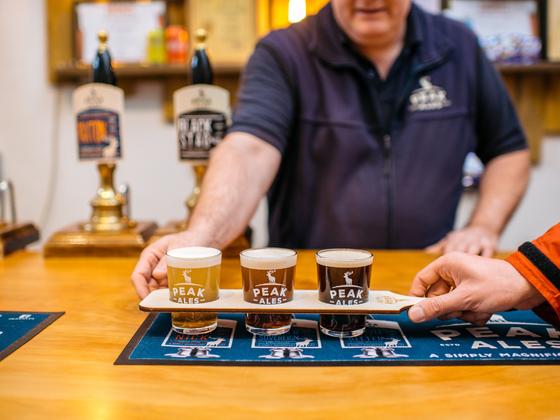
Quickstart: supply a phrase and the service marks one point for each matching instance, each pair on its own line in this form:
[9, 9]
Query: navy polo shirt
[369, 163]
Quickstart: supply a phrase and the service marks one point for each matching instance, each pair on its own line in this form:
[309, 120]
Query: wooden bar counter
[67, 370]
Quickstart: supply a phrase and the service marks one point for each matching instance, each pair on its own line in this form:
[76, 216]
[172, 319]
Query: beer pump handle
[6, 187]
[124, 190]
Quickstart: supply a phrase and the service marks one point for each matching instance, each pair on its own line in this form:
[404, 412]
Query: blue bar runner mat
[509, 338]
[17, 328]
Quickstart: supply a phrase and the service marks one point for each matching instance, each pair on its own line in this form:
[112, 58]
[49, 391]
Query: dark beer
[344, 277]
[268, 279]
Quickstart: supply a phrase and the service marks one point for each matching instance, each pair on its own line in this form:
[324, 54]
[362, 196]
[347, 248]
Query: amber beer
[344, 277]
[268, 279]
[193, 275]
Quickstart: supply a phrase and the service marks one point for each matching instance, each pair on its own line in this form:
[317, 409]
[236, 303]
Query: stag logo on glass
[428, 97]
[270, 293]
[187, 292]
[347, 293]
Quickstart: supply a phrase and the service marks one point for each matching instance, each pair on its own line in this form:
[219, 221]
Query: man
[472, 287]
[357, 122]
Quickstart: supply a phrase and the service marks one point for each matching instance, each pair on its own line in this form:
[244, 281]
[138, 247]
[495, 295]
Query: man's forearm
[502, 187]
[239, 173]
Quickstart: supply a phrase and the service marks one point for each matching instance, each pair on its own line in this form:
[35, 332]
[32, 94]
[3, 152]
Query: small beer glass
[268, 279]
[344, 277]
[193, 275]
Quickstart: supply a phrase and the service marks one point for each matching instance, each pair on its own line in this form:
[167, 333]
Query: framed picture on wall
[553, 30]
[232, 27]
[128, 24]
[509, 30]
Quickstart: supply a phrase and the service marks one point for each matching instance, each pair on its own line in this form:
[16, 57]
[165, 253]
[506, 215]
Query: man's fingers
[430, 275]
[436, 248]
[455, 245]
[474, 249]
[487, 249]
[435, 307]
[160, 272]
[424, 280]
[140, 284]
[439, 288]
[143, 272]
[148, 261]
[476, 318]
[154, 285]
[451, 315]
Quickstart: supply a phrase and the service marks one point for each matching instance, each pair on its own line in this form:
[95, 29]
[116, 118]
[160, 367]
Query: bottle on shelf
[102, 67]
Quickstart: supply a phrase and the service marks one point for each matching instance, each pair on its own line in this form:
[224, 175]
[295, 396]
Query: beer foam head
[344, 258]
[268, 258]
[193, 257]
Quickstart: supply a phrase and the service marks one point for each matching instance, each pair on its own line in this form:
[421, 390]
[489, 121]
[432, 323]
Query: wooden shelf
[76, 72]
[538, 67]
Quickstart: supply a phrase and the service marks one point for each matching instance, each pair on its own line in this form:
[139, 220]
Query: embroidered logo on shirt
[429, 97]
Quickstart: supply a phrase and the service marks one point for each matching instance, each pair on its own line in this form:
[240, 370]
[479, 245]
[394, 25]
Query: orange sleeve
[539, 263]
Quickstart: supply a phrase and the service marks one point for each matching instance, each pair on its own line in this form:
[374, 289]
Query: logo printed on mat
[23, 317]
[221, 337]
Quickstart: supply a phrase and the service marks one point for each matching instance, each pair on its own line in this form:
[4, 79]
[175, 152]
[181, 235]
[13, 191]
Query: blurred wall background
[38, 147]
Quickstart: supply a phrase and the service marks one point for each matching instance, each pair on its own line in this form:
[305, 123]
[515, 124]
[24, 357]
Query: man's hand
[240, 172]
[150, 272]
[474, 240]
[470, 287]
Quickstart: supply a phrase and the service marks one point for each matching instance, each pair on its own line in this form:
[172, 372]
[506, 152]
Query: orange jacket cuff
[537, 279]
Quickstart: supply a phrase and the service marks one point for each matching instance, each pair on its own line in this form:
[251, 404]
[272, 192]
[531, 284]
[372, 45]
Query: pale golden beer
[193, 275]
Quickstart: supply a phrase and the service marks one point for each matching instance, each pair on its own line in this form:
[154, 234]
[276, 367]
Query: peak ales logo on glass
[98, 108]
[193, 275]
[187, 291]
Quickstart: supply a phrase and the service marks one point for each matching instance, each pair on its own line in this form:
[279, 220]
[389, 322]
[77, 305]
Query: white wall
[35, 155]
[539, 210]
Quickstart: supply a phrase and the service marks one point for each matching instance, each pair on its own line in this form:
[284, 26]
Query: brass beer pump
[13, 235]
[110, 231]
[108, 205]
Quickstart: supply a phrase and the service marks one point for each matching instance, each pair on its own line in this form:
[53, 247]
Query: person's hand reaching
[474, 240]
[150, 272]
[470, 287]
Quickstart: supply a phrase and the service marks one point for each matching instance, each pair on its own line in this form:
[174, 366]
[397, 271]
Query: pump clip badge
[98, 121]
[200, 129]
